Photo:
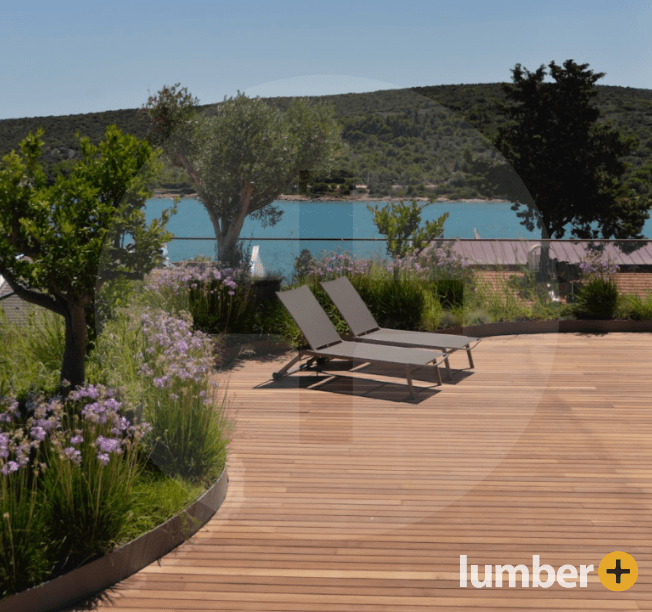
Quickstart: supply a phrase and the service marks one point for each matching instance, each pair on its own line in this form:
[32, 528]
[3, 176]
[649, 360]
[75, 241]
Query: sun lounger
[326, 344]
[365, 329]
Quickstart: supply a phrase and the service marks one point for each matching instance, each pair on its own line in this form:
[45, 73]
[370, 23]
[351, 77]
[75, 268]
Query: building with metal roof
[629, 255]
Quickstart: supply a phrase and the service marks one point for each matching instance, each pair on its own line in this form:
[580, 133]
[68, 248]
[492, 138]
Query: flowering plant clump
[173, 353]
[334, 265]
[52, 422]
[218, 298]
[24, 558]
[16, 447]
[101, 423]
[187, 436]
[92, 461]
[432, 263]
[594, 267]
[196, 274]
[598, 296]
[66, 470]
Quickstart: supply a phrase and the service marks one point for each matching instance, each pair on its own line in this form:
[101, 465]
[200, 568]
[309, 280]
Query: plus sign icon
[618, 571]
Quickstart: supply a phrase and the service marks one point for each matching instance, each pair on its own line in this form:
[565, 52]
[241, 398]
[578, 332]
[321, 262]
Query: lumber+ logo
[617, 571]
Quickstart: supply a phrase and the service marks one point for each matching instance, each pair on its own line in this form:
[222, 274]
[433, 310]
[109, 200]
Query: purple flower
[109, 445]
[78, 439]
[10, 410]
[89, 391]
[73, 454]
[9, 467]
[49, 424]
[103, 458]
[38, 433]
[121, 426]
[4, 443]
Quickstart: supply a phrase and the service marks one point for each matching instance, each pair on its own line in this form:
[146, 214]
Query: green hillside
[403, 142]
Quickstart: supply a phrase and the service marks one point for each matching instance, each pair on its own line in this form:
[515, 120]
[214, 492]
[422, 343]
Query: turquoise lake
[345, 220]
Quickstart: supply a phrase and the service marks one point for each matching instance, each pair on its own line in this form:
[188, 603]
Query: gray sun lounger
[365, 329]
[326, 344]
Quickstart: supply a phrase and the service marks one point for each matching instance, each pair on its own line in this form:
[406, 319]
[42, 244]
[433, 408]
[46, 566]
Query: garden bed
[115, 566]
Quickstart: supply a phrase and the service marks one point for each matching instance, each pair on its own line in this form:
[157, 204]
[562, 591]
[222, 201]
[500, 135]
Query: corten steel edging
[508, 328]
[113, 567]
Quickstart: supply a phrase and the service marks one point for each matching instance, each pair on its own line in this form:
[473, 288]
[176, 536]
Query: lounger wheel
[277, 376]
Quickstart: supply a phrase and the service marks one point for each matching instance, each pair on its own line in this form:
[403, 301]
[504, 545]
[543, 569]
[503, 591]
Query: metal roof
[492, 252]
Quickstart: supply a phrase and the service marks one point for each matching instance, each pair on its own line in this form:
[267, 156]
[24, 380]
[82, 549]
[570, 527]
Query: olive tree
[241, 156]
[52, 237]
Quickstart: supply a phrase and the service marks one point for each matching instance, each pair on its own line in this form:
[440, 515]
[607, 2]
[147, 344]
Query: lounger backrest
[310, 317]
[350, 304]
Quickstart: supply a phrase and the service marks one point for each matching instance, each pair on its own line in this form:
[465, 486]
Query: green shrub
[433, 312]
[31, 354]
[450, 292]
[449, 319]
[274, 319]
[639, 309]
[217, 309]
[476, 317]
[500, 302]
[155, 498]
[398, 304]
[597, 299]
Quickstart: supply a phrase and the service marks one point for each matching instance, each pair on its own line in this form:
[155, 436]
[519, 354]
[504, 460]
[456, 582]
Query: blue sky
[67, 57]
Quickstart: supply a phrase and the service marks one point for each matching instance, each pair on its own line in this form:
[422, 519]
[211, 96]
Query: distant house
[514, 254]
[15, 310]
[500, 258]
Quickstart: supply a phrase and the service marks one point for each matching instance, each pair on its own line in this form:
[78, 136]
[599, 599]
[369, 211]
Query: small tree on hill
[52, 238]
[570, 163]
[244, 156]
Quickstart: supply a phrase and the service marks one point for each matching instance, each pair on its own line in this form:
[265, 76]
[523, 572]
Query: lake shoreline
[166, 195]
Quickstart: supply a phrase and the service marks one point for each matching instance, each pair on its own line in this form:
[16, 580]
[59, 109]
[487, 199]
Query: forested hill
[402, 142]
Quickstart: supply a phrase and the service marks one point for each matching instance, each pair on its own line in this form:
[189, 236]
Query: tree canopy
[570, 163]
[243, 155]
[59, 243]
[401, 223]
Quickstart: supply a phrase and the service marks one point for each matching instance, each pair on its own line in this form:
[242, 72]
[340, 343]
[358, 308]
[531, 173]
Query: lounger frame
[326, 344]
[365, 328]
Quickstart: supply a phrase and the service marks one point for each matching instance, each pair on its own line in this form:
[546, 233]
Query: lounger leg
[284, 370]
[438, 373]
[408, 376]
[448, 366]
[468, 352]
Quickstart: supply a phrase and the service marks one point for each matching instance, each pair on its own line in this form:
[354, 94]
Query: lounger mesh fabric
[310, 317]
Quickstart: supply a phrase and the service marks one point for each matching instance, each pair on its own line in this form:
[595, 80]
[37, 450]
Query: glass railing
[278, 255]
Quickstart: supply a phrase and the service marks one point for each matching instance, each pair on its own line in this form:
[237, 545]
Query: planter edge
[85, 581]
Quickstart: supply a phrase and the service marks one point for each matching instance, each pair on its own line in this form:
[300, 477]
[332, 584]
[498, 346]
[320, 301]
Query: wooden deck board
[350, 496]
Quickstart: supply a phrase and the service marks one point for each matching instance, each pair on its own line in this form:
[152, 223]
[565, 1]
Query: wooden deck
[351, 497]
